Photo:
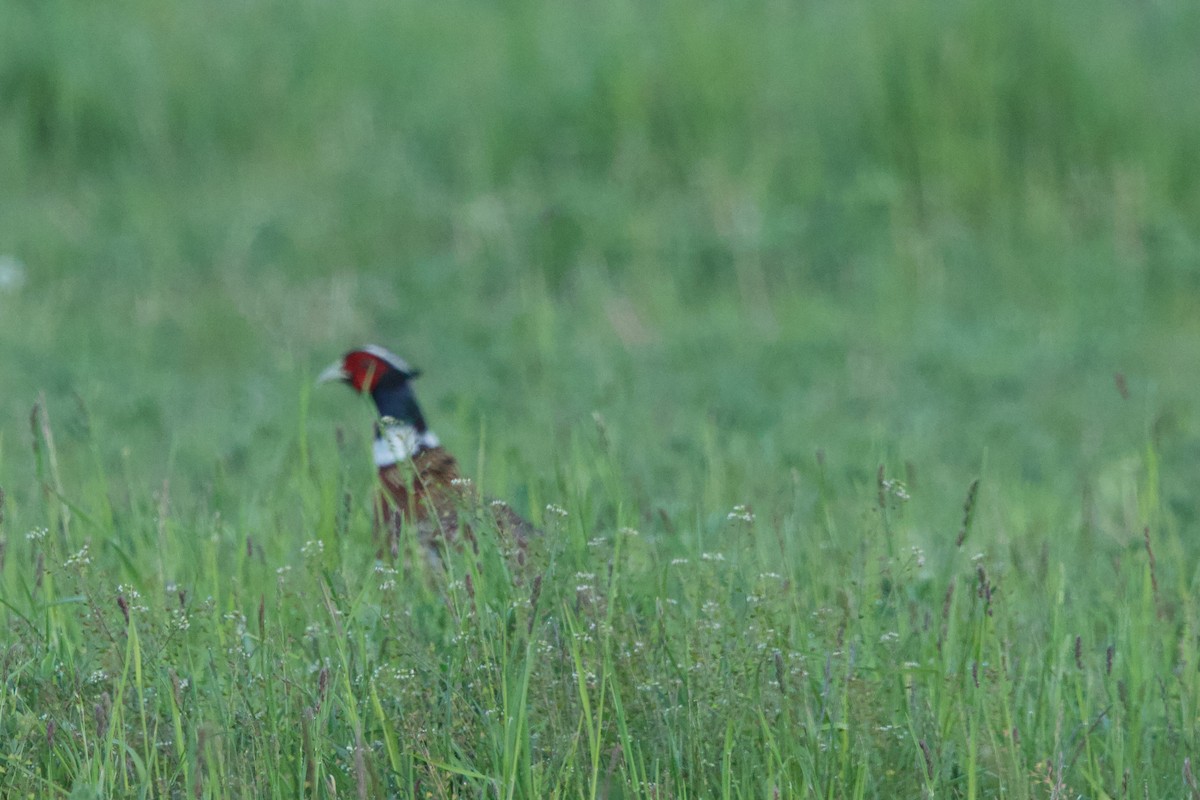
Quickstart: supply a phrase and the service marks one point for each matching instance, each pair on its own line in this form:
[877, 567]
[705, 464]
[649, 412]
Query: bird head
[369, 368]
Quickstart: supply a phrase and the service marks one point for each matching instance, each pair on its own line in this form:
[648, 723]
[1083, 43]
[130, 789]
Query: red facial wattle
[364, 370]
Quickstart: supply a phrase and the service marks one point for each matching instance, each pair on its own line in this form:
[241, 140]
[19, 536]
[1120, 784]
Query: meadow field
[845, 352]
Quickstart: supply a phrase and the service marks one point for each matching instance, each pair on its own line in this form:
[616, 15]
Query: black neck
[396, 400]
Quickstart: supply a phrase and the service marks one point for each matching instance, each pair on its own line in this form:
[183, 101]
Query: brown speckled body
[427, 497]
[421, 493]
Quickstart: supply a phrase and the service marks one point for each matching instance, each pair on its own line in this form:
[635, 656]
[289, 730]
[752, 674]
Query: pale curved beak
[334, 372]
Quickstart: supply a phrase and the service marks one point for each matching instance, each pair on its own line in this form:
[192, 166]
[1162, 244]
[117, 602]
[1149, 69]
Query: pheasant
[420, 482]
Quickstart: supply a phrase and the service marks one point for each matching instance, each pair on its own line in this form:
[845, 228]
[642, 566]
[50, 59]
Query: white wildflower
[741, 512]
[80, 559]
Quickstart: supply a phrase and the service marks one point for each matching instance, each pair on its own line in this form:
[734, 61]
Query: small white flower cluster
[312, 548]
[461, 483]
[388, 576]
[712, 556]
[597, 542]
[400, 674]
[629, 532]
[556, 510]
[80, 559]
[132, 596]
[709, 613]
[896, 489]
[36, 534]
[179, 620]
[742, 513]
[586, 577]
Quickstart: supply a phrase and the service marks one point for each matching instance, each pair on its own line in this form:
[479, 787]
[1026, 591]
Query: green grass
[753, 292]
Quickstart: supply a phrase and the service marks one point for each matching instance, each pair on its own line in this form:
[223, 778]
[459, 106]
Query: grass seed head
[968, 512]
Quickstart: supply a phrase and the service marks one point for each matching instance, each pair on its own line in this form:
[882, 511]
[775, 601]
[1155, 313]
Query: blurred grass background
[771, 245]
[905, 232]
[909, 229]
